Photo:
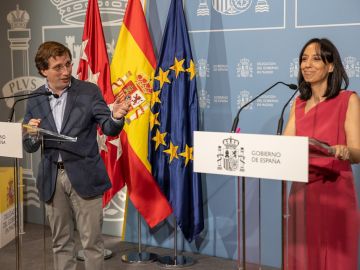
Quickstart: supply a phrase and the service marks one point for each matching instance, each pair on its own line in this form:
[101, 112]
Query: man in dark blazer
[72, 176]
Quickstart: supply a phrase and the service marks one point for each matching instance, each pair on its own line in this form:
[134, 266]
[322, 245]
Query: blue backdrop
[240, 48]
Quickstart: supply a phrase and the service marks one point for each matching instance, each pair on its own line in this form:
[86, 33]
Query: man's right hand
[34, 123]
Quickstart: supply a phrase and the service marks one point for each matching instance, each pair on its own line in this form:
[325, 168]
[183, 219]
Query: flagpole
[176, 261]
[139, 257]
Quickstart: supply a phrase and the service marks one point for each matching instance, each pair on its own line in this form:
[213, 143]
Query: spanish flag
[132, 72]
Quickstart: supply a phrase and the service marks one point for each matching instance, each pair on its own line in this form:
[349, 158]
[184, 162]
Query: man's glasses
[60, 67]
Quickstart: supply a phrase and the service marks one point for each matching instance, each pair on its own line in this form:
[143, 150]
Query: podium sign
[11, 140]
[252, 155]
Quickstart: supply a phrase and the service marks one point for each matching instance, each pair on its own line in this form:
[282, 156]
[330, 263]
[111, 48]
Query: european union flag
[174, 117]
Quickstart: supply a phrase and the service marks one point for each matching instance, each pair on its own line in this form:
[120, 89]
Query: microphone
[236, 119]
[281, 119]
[27, 96]
[47, 93]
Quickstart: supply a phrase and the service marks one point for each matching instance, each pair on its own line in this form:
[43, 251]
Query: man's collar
[47, 87]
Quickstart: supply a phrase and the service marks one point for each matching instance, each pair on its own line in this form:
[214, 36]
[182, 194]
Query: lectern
[11, 147]
[251, 155]
[11, 137]
[42, 135]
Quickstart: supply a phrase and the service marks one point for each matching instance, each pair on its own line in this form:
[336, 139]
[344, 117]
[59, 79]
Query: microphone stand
[243, 187]
[236, 119]
[281, 119]
[12, 110]
[284, 209]
[17, 186]
[27, 95]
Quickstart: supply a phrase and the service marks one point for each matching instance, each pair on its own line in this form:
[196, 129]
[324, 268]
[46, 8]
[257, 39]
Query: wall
[240, 48]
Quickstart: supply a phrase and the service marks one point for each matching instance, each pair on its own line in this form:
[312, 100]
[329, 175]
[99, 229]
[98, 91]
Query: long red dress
[323, 232]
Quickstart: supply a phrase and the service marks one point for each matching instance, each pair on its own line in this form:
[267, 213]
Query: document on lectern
[51, 135]
[320, 149]
[252, 155]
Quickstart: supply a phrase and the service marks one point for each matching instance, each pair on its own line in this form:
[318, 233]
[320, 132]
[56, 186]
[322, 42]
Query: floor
[33, 258]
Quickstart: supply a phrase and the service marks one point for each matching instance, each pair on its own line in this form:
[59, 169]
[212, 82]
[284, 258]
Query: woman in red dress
[323, 226]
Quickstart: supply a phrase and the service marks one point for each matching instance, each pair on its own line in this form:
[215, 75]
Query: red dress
[323, 232]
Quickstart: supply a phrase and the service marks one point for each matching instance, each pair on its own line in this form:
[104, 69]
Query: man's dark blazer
[85, 110]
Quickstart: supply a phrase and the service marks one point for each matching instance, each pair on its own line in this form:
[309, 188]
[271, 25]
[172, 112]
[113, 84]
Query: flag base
[80, 254]
[175, 261]
[139, 258]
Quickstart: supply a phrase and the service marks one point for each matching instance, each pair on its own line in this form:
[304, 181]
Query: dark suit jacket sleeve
[30, 143]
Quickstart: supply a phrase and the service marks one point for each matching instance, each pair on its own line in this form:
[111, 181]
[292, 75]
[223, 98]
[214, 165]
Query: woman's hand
[341, 152]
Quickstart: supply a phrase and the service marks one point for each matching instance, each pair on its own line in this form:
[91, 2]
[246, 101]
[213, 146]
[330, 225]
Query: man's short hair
[47, 50]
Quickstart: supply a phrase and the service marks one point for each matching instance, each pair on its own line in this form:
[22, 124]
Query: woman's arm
[352, 128]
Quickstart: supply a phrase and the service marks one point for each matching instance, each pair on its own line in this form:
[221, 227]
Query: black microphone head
[292, 86]
[48, 93]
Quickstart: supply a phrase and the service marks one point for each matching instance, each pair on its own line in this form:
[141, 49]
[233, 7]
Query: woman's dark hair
[337, 79]
[47, 50]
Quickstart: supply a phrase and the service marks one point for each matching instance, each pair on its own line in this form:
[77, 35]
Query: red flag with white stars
[94, 67]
